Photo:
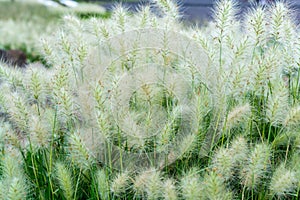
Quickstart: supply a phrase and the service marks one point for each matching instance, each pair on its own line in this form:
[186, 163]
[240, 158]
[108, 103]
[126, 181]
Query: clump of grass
[139, 106]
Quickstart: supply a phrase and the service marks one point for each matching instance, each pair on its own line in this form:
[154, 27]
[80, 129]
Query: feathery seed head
[47, 51]
[120, 17]
[239, 150]
[256, 168]
[154, 185]
[12, 76]
[191, 187]
[292, 119]
[283, 182]
[39, 132]
[256, 26]
[185, 145]
[277, 105]
[17, 189]
[13, 179]
[18, 111]
[36, 85]
[169, 192]
[11, 163]
[214, 187]
[144, 17]
[148, 182]
[237, 115]
[64, 178]
[103, 184]
[224, 16]
[222, 163]
[168, 8]
[279, 16]
[79, 153]
[120, 183]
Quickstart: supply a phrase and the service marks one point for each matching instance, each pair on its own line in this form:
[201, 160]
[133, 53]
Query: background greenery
[23, 23]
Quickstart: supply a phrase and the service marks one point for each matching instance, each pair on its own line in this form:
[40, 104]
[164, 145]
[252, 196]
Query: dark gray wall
[199, 10]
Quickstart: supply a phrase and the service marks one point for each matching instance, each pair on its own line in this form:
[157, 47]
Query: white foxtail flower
[238, 115]
[65, 182]
[120, 17]
[256, 167]
[39, 132]
[169, 191]
[256, 26]
[190, 185]
[222, 163]
[103, 184]
[120, 183]
[279, 17]
[36, 84]
[13, 181]
[148, 183]
[239, 151]
[79, 153]
[283, 182]
[215, 188]
[18, 111]
[168, 8]
[277, 105]
[292, 119]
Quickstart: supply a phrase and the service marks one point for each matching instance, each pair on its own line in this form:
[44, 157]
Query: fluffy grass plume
[215, 188]
[148, 183]
[79, 153]
[277, 105]
[222, 163]
[13, 181]
[256, 166]
[103, 184]
[120, 184]
[169, 192]
[239, 151]
[65, 181]
[283, 183]
[292, 119]
[191, 187]
[237, 115]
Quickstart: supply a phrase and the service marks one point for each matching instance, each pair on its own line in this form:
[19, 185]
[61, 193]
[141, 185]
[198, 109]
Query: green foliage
[141, 107]
[23, 23]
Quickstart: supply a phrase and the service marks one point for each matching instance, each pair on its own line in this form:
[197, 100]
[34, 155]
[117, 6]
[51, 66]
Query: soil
[13, 57]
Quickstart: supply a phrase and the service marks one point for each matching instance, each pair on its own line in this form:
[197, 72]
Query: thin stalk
[286, 153]
[49, 168]
[94, 185]
[34, 165]
[77, 183]
[120, 151]
[215, 132]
